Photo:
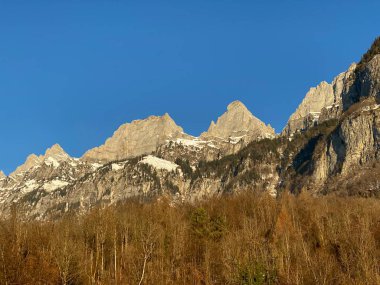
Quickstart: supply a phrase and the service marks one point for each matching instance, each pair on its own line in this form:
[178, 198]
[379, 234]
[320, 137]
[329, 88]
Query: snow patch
[195, 143]
[372, 107]
[159, 163]
[96, 166]
[235, 140]
[50, 161]
[54, 184]
[116, 166]
[30, 186]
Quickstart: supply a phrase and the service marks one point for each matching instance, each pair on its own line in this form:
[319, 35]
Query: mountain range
[330, 145]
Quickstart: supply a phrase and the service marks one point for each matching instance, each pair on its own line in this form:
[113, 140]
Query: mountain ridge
[334, 150]
[154, 121]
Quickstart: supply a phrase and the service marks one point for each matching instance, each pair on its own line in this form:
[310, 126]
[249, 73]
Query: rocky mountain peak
[53, 155]
[321, 103]
[31, 161]
[2, 175]
[136, 138]
[237, 105]
[316, 99]
[56, 151]
[238, 121]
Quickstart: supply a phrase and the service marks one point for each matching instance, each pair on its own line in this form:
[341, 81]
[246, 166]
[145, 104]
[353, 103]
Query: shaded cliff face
[343, 160]
[354, 146]
[136, 138]
[365, 82]
[237, 123]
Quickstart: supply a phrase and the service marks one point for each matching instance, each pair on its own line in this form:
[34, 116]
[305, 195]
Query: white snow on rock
[96, 165]
[235, 140]
[372, 107]
[54, 184]
[50, 161]
[117, 166]
[194, 143]
[159, 163]
[30, 186]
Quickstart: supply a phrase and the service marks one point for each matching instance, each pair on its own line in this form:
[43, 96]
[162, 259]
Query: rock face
[369, 80]
[309, 110]
[2, 175]
[356, 142]
[321, 103]
[353, 147]
[136, 138]
[53, 155]
[237, 123]
[364, 83]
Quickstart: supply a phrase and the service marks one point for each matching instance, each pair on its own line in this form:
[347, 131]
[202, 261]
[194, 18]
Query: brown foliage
[243, 239]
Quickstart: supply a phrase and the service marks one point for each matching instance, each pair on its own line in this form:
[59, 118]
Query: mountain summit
[136, 138]
[53, 156]
[238, 122]
[321, 103]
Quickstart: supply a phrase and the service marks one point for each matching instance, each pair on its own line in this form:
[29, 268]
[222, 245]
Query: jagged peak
[153, 118]
[167, 116]
[54, 150]
[236, 105]
[2, 175]
[312, 90]
[318, 98]
[352, 66]
[31, 161]
[237, 120]
[136, 138]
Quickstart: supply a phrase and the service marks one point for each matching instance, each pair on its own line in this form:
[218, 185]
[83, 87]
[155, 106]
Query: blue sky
[72, 71]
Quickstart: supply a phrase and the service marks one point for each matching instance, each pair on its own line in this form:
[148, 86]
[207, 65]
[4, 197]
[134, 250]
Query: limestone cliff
[136, 138]
[308, 111]
[53, 155]
[352, 147]
[321, 103]
[238, 123]
[363, 83]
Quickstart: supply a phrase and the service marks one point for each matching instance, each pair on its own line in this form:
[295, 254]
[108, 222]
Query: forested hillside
[242, 239]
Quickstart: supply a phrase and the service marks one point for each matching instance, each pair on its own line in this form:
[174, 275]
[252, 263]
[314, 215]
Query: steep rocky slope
[136, 138]
[321, 103]
[238, 123]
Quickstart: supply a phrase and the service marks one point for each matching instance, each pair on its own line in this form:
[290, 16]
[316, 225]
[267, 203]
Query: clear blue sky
[72, 71]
